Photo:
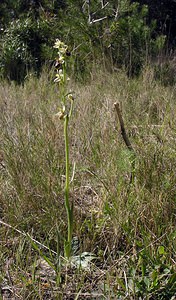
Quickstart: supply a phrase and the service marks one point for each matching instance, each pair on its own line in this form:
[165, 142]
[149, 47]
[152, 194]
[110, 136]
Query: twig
[97, 20]
[126, 139]
[91, 14]
[28, 236]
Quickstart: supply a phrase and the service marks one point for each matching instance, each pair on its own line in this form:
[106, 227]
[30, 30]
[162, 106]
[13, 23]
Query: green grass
[129, 227]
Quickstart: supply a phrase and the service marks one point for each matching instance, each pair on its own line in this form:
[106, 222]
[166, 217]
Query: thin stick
[126, 140]
[122, 126]
[27, 235]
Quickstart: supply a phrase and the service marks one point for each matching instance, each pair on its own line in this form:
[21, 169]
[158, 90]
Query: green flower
[59, 76]
[60, 115]
[70, 97]
[58, 44]
[62, 48]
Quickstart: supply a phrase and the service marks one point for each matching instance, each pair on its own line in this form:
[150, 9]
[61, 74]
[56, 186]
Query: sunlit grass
[112, 217]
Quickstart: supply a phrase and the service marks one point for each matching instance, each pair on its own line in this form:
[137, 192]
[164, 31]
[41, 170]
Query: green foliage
[27, 40]
[151, 275]
[84, 38]
[15, 57]
[25, 46]
[164, 14]
[131, 42]
[125, 40]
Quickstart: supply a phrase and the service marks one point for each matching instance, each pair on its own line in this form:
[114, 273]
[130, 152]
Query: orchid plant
[64, 113]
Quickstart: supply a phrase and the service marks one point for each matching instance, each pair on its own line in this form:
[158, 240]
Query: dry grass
[123, 224]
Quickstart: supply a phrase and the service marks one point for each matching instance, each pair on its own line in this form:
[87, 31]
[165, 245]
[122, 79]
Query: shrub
[24, 45]
[132, 43]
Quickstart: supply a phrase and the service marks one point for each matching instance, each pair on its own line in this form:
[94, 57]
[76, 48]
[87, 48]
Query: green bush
[131, 38]
[125, 40]
[25, 47]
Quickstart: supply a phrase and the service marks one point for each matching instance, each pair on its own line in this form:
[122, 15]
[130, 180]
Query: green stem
[69, 209]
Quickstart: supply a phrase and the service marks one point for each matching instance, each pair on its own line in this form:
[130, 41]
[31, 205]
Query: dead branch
[97, 20]
[91, 14]
[126, 140]
[103, 4]
[122, 126]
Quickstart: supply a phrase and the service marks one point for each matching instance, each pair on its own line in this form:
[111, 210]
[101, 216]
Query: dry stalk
[126, 140]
